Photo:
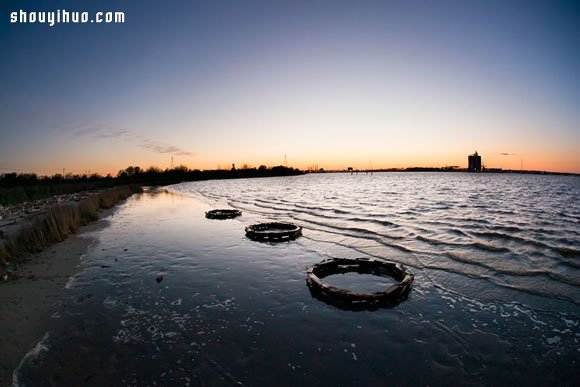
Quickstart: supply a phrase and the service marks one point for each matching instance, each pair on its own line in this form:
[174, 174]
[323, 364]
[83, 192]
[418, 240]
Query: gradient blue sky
[333, 83]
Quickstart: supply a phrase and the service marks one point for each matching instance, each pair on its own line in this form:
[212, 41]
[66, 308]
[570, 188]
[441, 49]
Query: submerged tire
[348, 300]
[222, 214]
[274, 231]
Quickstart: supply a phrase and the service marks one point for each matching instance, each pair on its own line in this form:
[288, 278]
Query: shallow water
[361, 283]
[495, 299]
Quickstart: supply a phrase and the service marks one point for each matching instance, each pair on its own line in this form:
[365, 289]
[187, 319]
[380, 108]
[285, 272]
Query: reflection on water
[232, 311]
[360, 283]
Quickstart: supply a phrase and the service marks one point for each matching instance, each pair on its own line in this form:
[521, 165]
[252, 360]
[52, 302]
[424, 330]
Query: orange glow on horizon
[568, 164]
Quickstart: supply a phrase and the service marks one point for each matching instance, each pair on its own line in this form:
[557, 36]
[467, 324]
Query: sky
[337, 84]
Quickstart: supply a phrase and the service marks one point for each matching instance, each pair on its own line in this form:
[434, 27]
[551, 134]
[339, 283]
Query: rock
[159, 279]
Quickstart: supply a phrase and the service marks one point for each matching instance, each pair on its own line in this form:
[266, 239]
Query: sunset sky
[376, 84]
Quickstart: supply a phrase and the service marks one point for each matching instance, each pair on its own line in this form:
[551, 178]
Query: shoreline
[28, 296]
[52, 223]
[27, 301]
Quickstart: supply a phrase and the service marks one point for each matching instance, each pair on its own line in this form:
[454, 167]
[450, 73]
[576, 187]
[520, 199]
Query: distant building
[474, 163]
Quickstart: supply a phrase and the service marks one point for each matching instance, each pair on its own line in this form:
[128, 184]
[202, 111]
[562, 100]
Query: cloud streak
[101, 132]
[162, 148]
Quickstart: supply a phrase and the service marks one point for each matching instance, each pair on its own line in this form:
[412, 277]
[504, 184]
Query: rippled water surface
[168, 297]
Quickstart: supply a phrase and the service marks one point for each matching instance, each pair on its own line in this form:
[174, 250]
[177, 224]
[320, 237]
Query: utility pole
[171, 162]
[285, 161]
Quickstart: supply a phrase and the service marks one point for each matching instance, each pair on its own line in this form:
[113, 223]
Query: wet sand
[27, 302]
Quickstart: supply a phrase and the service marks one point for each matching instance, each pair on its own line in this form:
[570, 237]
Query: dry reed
[56, 224]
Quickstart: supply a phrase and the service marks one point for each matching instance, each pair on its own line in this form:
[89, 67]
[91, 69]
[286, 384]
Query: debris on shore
[12, 217]
[30, 227]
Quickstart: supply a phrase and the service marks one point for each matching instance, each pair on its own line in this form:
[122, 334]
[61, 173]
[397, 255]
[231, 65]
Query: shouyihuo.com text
[62, 16]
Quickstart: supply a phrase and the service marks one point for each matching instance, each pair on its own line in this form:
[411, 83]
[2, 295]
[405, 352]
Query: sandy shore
[26, 303]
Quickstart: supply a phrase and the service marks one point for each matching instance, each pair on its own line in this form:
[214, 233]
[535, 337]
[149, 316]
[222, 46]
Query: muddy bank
[27, 300]
[32, 227]
[38, 255]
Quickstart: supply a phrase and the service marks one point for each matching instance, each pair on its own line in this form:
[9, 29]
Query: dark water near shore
[496, 297]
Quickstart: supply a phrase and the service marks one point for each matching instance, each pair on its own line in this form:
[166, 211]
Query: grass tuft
[110, 197]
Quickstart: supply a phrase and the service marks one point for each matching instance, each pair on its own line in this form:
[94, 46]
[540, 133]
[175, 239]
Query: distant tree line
[19, 187]
[156, 176]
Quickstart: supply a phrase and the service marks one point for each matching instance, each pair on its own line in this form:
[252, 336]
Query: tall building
[474, 163]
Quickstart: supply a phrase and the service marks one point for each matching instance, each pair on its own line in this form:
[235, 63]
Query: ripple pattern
[520, 232]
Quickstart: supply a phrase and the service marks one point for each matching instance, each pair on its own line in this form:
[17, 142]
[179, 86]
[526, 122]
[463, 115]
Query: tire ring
[222, 214]
[348, 300]
[274, 231]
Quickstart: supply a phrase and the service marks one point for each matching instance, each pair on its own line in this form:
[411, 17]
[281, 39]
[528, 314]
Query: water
[495, 300]
[360, 283]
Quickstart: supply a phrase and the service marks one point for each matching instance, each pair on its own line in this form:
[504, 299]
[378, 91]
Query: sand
[27, 302]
